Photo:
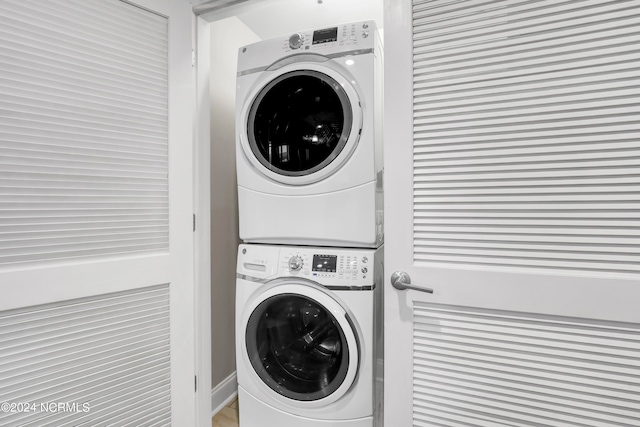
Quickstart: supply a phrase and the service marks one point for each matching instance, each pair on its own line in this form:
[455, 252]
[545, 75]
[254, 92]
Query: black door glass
[297, 347]
[299, 123]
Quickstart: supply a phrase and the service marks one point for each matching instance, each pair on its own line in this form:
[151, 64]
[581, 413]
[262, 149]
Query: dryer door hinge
[195, 382]
[194, 222]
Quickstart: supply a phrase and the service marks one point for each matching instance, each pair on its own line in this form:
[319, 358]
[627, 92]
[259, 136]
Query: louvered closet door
[512, 163]
[96, 246]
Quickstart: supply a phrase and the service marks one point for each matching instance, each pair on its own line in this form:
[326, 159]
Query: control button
[365, 25]
[295, 263]
[365, 259]
[364, 276]
[364, 269]
[296, 41]
[365, 35]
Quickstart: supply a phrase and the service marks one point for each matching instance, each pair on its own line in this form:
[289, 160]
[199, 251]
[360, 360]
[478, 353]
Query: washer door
[302, 123]
[301, 344]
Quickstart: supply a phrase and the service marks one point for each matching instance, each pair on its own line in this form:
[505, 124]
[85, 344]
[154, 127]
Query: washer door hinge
[194, 222]
[195, 383]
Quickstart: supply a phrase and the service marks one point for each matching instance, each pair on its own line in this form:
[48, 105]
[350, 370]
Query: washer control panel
[346, 266]
[327, 266]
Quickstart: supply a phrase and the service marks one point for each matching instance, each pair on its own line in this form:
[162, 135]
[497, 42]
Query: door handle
[401, 281]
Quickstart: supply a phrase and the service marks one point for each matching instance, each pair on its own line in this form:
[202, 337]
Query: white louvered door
[512, 163]
[96, 202]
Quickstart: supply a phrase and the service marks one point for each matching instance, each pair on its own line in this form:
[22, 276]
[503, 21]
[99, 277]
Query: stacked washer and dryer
[309, 297]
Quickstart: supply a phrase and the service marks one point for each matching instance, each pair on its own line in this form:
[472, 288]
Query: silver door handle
[401, 281]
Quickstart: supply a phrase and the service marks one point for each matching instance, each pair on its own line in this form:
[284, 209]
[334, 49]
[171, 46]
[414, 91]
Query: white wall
[227, 36]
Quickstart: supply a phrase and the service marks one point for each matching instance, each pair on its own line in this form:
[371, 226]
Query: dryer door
[301, 344]
[302, 123]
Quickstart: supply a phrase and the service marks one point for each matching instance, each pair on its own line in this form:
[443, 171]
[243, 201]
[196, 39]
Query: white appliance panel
[266, 271]
[289, 185]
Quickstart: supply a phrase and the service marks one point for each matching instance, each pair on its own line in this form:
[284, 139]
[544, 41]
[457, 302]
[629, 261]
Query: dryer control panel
[355, 38]
[353, 35]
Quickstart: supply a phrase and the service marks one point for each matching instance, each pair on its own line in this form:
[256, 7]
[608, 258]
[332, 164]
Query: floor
[227, 417]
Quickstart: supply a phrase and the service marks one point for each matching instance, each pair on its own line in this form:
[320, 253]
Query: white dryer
[309, 336]
[308, 131]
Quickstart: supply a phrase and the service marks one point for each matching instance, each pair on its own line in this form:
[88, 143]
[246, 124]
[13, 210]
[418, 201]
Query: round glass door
[297, 347]
[299, 123]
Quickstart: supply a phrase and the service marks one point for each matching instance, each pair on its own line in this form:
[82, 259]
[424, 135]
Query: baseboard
[224, 393]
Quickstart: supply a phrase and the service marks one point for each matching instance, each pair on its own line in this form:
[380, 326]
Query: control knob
[296, 41]
[295, 263]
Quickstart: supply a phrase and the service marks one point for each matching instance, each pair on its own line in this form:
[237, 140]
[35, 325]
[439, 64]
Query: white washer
[309, 340]
[308, 138]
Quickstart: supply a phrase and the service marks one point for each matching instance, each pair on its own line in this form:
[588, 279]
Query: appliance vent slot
[495, 368]
[526, 132]
[83, 130]
[107, 358]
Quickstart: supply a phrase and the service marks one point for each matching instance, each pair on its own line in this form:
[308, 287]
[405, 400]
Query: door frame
[202, 220]
[204, 13]
[397, 126]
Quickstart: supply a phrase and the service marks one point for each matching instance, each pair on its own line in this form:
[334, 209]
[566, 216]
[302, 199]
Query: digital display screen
[325, 263]
[325, 36]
